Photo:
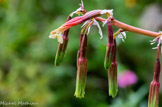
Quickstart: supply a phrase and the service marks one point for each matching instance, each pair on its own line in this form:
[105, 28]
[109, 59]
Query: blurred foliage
[27, 71]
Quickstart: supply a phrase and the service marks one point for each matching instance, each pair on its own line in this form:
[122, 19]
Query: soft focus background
[27, 71]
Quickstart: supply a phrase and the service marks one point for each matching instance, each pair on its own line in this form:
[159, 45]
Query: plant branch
[130, 28]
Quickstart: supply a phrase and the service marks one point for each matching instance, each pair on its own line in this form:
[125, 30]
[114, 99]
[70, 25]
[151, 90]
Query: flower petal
[158, 40]
[80, 10]
[82, 4]
[104, 22]
[85, 23]
[154, 47]
[120, 36]
[107, 11]
[60, 39]
[124, 34]
[100, 30]
[89, 30]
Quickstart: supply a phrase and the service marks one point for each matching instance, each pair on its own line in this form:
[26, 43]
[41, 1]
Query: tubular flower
[112, 75]
[155, 85]
[154, 94]
[81, 69]
[57, 33]
[110, 61]
[62, 46]
[109, 47]
[75, 21]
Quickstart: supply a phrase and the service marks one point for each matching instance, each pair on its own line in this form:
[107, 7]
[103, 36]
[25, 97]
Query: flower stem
[130, 28]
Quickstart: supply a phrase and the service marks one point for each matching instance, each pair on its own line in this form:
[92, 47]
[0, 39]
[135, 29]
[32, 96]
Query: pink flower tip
[127, 78]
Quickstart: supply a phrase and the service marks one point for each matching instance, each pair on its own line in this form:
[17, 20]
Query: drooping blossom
[62, 46]
[109, 47]
[82, 66]
[75, 21]
[153, 100]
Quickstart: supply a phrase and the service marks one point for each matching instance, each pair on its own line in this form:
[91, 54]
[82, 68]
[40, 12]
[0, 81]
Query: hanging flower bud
[62, 46]
[155, 85]
[81, 69]
[112, 76]
[154, 94]
[109, 47]
[81, 77]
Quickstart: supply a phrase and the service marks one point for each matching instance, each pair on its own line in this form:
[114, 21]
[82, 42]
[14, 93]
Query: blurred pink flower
[127, 78]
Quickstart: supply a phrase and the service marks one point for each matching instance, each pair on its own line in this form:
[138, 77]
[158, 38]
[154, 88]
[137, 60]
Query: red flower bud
[110, 48]
[155, 85]
[62, 47]
[81, 77]
[81, 68]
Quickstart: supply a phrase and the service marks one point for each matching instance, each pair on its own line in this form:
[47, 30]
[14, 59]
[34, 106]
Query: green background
[27, 71]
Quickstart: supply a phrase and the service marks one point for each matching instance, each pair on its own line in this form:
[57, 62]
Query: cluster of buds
[90, 19]
[153, 99]
[110, 63]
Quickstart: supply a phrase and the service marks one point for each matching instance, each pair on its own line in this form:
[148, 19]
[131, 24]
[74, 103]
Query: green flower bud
[112, 78]
[81, 68]
[81, 77]
[110, 48]
[61, 51]
[62, 47]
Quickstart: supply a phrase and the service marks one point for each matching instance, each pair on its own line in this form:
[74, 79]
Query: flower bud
[81, 77]
[112, 77]
[155, 85]
[81, 68]
[154, 94]
[110, 48]
[62, 47]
